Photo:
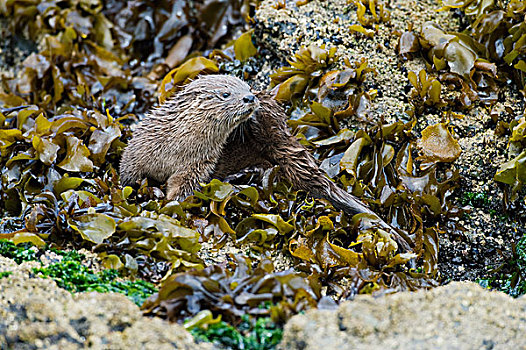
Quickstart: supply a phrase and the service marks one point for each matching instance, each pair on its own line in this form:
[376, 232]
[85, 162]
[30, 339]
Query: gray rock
[36, 314]
[460, 315]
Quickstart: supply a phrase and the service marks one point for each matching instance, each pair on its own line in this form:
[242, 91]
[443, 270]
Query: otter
[216, 127]
[179, 142]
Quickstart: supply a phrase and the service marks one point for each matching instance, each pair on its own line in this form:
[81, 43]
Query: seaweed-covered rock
[460, 315]
[36, 314]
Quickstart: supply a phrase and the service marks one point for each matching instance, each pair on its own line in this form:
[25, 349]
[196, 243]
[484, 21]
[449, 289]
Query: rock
[460, 315]
[36, 314]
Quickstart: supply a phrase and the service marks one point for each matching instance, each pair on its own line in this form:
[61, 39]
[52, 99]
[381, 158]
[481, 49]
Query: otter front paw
[178, 188]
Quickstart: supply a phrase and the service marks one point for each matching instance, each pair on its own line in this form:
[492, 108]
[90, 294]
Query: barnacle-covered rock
[52, 318]
[459, 315]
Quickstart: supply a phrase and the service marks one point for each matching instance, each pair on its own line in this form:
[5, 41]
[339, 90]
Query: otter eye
[226, 94]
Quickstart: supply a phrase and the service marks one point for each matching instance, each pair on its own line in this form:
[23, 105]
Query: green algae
[71, 274]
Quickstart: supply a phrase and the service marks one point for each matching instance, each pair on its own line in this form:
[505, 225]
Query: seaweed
[5, 274]
[233, 294]
[339, 95]
[73, 276]
[302, 2]
[438, 145]
[426, 91]
[323, 239]
[486, 54]
[76, 194]
[70, 273]
[369, 24]
[376, 8]
[258, 334]
[408, 44]
[336, 87]
[160, 37]
[513, 172]
[79, 64]
[464, 61]
[306, 66]
[499, 31]
[280, 4]
[66, 117]
[19, 253]
[240, 49]
[476, 199]
[509, 277]
[469, 7]
[183, 74]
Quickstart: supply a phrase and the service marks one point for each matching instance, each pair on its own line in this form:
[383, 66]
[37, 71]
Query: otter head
[225, 99]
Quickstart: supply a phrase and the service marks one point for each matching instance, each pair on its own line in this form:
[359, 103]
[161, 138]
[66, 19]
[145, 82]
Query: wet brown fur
[180, 141]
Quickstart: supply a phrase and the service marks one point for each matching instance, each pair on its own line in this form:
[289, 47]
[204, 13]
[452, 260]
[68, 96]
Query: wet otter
[180, 141]
[205, 131]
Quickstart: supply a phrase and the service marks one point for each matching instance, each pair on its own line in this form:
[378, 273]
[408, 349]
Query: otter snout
[251, 102]
[249, 98]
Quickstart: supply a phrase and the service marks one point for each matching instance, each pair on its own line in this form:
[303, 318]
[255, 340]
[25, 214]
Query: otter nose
[249, 98]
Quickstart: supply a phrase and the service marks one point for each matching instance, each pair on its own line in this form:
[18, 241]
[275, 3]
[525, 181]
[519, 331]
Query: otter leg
[179, 186]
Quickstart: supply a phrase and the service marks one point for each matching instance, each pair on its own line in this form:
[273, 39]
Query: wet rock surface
[460, 315]
[36, 314]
